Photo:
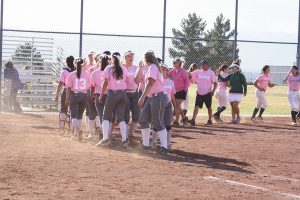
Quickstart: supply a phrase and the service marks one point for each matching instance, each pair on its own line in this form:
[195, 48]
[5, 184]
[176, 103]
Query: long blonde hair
[150, 57]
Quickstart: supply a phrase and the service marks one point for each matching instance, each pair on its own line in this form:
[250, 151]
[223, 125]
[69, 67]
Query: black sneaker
[163, 150]
[208, 123]
[192, 122]
[185, 120]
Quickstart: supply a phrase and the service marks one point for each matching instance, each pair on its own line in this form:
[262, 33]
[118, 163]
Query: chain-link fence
[39, 56]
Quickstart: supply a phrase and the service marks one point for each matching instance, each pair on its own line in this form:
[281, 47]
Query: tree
[27, 52]
[186, 42]
[220, 50]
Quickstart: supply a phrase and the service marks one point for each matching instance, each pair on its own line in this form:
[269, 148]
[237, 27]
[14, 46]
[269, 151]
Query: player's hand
[141, 102]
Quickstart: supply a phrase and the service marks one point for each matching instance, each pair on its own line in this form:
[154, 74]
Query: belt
[116, 90]
[156, 94]
[294, 90]
[79, 92]
[130, 91]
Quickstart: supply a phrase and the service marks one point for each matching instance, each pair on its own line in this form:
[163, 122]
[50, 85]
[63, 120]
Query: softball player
[63, 84]
[262, 83]
[154, 108]
[78, 83]
[221, 94]
[115, 81]
[132, 94]
[238, 89]
[181, 80]
[293, 80]
[206, 86]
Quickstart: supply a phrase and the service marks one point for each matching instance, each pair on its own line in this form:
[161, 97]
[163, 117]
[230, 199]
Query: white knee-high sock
[105, 129]
[123, 130]
[146, 136]
[87, 123]
[97, 120]
[169, 138]
[163, 136]
[91, 127]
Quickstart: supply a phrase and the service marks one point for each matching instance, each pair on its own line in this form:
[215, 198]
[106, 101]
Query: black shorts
[201, 99]
[181, 95]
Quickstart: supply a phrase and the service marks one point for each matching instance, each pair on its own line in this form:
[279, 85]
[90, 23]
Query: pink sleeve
[152, 72]
[186, 79]
[258, 78]
[93, 82]
[125, 74]
[62, 77]
[106, 73]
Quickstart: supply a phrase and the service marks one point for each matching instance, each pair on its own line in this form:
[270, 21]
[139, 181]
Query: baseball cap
[204, 62]
[128, 53]
[234, 65]
[160, 60]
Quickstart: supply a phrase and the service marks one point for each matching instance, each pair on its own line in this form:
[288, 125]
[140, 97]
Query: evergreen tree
[186, 42]
[220, 51]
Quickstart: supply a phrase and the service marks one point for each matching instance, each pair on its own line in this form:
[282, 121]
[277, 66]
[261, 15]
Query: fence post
[1, 45]
[81, 29]
[235, 30]
[298, 46]
[164, 30]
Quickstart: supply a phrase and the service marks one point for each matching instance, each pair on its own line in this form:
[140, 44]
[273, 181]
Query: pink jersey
[113, 83]
[181, 79]
[169, 88]
[294, 82]
[97, 81]
[263, 81]
[79, 85]
[204, 80]
[130, 84]
[143, 80]
[222, 85]
[154, 73]
[63, 77]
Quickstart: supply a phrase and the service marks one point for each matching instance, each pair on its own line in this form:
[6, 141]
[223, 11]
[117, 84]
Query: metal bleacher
[40, 81]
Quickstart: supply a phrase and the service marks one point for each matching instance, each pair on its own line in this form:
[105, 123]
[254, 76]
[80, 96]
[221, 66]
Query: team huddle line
[111, 89]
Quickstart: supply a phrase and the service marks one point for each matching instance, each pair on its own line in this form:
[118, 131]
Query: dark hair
[9, 64]
[70, 62]
[79, 62]
[223, 67]
[150, 57]
[192, 67]
[104, 61]
[107, 53]
[264, 69]
[296, 68]
[118, 72]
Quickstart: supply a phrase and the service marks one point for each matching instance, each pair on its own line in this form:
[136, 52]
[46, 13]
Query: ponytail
[150, 57]
[118, 72]
[79, 63]
[104, 61]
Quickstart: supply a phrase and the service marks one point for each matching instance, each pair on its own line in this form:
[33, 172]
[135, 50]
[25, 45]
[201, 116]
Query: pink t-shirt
[181, 79]
[113, 83]
[97, 80]
[263, 81]
[130, 84]
[79, 85]
[154, 73]
[222, 85]
[169, 88]
[143, 80]
[294, 82]
[204, 80]
[63, 77]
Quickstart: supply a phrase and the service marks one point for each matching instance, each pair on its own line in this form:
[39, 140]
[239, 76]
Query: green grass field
[277, 99]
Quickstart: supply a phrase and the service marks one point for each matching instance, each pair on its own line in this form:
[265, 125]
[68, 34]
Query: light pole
[1, 45]
[164, 30]
[235, 30]
[81, 29]
[298, 46]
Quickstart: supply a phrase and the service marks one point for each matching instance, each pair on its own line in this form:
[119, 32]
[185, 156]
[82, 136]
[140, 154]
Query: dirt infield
[246, 161]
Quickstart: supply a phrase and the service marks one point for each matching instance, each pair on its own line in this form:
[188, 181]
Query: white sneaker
[294, 124]
[90, 136]
[103, 143]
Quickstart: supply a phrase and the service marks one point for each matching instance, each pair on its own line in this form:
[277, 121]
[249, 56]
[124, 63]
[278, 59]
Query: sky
[268, 20]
